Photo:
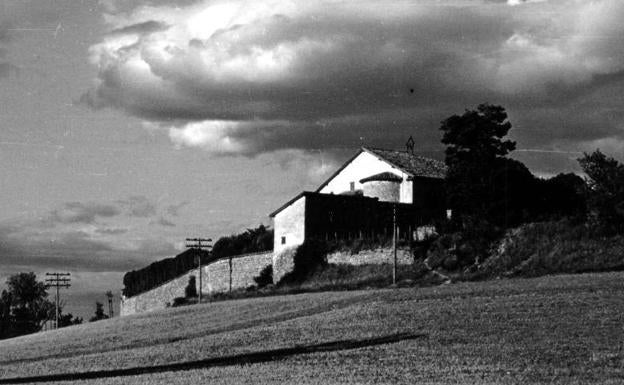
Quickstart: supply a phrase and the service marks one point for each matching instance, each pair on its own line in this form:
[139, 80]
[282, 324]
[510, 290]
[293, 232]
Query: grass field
[566, 329]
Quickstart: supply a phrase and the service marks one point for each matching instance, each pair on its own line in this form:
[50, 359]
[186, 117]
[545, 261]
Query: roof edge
[362, 149]
[290, 202]
[372, 152]
[383, 177]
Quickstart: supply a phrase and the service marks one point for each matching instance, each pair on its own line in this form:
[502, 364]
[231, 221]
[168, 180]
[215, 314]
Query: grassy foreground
[566, 329]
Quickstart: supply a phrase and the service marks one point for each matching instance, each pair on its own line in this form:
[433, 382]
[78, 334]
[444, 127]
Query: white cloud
[241, 77]
[210, 135]
[520, 2]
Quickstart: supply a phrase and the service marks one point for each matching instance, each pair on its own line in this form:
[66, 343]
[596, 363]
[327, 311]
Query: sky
[128, 125]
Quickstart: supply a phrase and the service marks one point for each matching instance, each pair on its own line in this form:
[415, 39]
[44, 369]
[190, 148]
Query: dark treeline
[157, 273]
[250, 241]
[490, 192]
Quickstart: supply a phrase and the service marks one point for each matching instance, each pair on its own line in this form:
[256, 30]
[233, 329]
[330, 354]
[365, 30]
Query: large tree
[24, 306]
[605, 179]
[480, 178]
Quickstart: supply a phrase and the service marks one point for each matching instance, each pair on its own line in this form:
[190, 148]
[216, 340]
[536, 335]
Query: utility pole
[230, 266]
[196, 244]
[394, 245]
[109, 295]
[57, 280]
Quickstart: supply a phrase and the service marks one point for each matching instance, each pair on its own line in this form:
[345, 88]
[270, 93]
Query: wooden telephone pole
[58, 280]
[394, 244]
[109, 295]
[196, 244]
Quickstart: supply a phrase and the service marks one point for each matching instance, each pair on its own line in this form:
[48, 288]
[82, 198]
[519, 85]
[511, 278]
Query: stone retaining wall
[215, 279]
[371, 257]
[216, 276]
[244, 268]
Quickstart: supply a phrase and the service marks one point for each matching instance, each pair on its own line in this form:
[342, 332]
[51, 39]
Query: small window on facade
[352, 186]
[283, 240]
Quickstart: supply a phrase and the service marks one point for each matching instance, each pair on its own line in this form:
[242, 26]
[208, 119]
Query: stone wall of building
[215, 279]
[371, 257]
[386, 191]
[289, 225]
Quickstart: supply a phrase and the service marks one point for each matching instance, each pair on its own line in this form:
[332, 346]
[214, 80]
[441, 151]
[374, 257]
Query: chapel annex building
[360, 200]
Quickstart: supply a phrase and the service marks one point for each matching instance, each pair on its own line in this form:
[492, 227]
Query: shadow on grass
[237, 359]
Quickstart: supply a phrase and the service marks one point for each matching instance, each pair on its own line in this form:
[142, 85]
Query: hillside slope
[561, 329]
[542, 248]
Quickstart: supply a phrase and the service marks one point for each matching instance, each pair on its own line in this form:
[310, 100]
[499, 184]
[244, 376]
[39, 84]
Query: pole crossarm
[58, 280]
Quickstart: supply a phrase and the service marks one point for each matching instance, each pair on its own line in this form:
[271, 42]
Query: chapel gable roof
[416, 166]
[413, 165]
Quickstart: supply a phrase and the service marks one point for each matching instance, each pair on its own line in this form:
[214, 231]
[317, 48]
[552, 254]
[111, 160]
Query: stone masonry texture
[371, 257]
[215, 278]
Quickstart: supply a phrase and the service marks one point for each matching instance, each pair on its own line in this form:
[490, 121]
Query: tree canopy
[24, 307]
[605, 180]
[478, 176]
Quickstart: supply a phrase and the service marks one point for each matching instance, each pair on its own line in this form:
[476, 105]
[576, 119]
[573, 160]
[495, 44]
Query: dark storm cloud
[247, 78]
[164, 222]
[174, 210]
[5, 33]
[138, 206]
[75, 250]
[78, 212]
[6, 68]
[111, 231]
[90, 212]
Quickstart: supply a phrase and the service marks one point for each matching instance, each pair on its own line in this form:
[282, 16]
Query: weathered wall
[290, 224]
[158, 297]
[386, 191]
[371, 257]
[215, 278]
[283, 262]
[365, 165]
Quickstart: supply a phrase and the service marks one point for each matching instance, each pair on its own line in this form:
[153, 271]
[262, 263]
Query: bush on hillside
[605, 192]
[309, 256]
[353, 277]
[265, 277]
[553, 247]
[251, 241]
[191, 289]
[179, 301]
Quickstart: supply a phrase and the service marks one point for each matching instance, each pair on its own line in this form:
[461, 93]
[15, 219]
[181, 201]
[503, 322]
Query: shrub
[191, 289]
[553, 247]
[179, 301]
[311, 255]
[265, 277]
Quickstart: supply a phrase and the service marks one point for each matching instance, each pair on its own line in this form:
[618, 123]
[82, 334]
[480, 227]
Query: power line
[196, 244]
[58, 280]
